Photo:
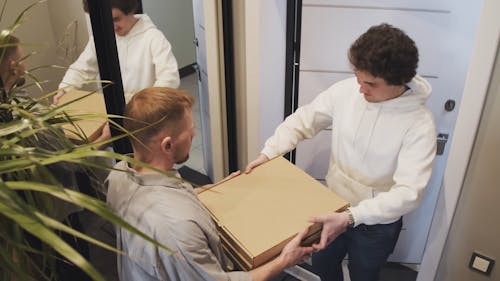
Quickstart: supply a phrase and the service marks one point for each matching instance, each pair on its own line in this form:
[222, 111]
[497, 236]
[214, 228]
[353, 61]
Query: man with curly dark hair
[382, 151]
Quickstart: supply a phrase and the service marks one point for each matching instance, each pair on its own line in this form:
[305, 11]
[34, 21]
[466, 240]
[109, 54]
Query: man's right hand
[257, 162]
[291, 254]
[57, 97]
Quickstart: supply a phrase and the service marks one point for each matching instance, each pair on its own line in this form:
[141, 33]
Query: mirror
[64, 28]
[58, 30]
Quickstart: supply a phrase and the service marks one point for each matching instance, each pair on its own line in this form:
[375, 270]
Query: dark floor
[396, 271]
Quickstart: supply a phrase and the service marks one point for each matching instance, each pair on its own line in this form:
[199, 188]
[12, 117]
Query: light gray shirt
[168, 210]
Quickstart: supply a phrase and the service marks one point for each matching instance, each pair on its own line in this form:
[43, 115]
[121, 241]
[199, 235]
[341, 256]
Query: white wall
[265, 22]
[175, 19]
[37, 35]
[69, 28]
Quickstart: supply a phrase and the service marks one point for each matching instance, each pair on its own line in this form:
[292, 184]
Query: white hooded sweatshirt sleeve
[381, 153]
[84, 69]
[145, 55]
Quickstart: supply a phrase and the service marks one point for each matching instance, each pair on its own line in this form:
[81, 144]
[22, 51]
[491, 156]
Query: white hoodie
[145, 55]
[382, 153]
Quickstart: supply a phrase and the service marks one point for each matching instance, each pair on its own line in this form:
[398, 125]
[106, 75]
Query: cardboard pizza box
[92, 103]
[258, 213]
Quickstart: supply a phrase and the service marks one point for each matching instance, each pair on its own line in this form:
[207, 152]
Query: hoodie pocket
[347, 188]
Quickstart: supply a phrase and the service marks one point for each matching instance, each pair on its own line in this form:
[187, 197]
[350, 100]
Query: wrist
[350, 219]
[281, 262]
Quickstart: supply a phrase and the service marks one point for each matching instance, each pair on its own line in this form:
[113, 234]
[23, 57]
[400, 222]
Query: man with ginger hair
[166, 207]
[11, 66]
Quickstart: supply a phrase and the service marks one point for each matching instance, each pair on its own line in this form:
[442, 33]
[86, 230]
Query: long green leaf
[6, 259]
[62, 227]
[96, 206]
[28, 221]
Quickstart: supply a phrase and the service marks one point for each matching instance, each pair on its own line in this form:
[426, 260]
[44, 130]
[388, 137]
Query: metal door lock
[449, 105]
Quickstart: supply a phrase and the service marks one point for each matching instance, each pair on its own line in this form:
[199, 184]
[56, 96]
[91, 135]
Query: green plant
[34, 151]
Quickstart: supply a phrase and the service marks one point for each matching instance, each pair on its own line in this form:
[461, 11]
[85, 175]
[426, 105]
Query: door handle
[442, 139]
[197, 70]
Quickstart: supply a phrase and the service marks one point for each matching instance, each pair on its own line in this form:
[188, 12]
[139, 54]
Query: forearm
[286, 137]
[387, 207]
[83, 69]
[305, 123]
[167, 76]
[291, 254]
[411, 177]
[166, 67]
[268, 270]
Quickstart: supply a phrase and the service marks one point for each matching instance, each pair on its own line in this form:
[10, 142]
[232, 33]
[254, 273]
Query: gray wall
[57, 31]
[43, 32]
[175, 19]
[69, 28]
[476, 226]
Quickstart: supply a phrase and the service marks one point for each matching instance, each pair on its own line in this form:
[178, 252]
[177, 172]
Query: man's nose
[362, 89]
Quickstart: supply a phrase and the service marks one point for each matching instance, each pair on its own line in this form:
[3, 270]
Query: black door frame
[109, 66]
[292, 63]
[228, 35]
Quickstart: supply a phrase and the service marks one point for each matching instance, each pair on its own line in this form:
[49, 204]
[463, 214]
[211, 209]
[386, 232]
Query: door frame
[215, 52]
[292, 61]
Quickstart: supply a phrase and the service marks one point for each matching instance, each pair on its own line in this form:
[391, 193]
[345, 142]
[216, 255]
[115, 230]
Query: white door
[201, 60]
[443, 32]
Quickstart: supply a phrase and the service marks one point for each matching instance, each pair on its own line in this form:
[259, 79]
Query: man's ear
[166, 144]
[12, 67]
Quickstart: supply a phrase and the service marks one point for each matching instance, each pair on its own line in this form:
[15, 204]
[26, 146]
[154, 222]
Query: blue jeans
[368, 247]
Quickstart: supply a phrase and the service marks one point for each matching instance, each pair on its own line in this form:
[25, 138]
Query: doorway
[321, 33]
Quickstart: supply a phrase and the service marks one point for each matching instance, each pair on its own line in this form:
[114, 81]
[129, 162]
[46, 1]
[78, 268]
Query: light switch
[481, 263]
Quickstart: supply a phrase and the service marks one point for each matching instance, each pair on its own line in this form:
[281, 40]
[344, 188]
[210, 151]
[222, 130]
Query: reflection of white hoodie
[146, 60]
[382, 153]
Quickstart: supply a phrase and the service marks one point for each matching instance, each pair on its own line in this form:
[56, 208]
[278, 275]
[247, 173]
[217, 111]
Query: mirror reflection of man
[145, 55]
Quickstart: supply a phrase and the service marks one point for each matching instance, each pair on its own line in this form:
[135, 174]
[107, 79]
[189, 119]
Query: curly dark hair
[387, 52]
[126, 6]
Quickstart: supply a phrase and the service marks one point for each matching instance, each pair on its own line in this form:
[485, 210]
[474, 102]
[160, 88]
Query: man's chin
[20, 82]
[183, 160]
